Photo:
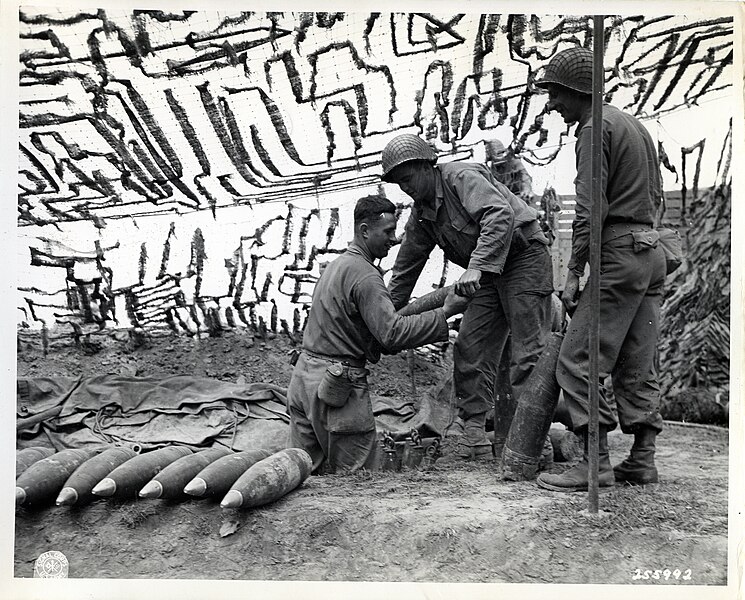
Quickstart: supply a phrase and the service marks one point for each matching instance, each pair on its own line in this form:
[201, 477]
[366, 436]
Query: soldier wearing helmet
[497, 239]
[633, 273]
[509, 170]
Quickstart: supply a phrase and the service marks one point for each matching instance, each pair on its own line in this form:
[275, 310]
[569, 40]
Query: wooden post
[598, 36]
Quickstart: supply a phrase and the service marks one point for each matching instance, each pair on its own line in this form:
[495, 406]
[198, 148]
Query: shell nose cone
[105, 487]
[233, 499]
[67, 497]
[20, 496]
[196, 487]
[153, 489]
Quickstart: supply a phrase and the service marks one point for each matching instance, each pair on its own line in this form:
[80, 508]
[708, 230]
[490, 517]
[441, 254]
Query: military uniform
[480, 224]
[351, 320]
[631, 281]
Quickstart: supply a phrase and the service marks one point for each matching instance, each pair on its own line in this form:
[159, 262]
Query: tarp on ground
[151, 412]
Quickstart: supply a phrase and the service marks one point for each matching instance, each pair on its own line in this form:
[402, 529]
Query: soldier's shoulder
[454, 169]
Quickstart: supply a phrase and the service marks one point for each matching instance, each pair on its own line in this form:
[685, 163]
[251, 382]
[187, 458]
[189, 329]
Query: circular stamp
[51, 565]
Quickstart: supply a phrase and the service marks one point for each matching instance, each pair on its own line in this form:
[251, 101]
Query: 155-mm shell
[42, 481]
[170, 482]
[216, 478]
[127, 479]
[78, 488]
[269, 479]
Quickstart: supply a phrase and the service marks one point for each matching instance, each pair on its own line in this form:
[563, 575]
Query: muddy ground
[448, 524]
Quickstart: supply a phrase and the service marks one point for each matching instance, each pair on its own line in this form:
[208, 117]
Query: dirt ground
[447, 524]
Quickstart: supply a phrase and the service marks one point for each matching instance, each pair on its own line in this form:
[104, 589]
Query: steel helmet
[571, 68]
[495, 150]
[403, 148]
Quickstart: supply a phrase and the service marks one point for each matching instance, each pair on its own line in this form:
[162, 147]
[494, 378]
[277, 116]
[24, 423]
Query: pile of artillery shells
[78, 476]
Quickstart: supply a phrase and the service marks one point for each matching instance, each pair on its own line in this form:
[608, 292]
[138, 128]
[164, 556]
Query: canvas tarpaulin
[195, 411]
[153, 412]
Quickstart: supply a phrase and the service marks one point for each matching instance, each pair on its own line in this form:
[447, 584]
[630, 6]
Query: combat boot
[473, 444]
[639, 468]
[576, 478]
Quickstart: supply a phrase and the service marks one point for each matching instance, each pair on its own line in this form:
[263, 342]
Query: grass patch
[132, 516]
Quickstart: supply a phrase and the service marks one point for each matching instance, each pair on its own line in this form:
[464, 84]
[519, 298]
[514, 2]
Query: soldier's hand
[468, 282]
[570, 295]
[455, 303]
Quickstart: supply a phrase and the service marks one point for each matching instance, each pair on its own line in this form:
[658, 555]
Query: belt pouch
[645, 240]
[356, 415]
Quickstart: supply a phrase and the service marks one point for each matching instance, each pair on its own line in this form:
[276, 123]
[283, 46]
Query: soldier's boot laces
[576, 478]
[639, 468]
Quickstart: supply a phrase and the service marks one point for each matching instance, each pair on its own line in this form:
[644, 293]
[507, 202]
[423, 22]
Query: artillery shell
[127, 479]
[43, 480]
[28, 456]
[170, 482]
[429, 301]
[269, 479]
[215, 479]
[78, 488]
[532, 418]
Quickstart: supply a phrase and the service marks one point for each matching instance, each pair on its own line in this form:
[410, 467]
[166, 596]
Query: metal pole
[594, 281]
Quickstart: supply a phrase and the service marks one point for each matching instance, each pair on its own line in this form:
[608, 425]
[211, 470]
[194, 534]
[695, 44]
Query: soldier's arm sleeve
[583, 185]
[393, 331]
[410, 260]
[492, 211]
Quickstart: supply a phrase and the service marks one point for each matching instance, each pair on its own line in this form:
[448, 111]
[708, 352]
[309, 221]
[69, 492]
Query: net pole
[595, 241]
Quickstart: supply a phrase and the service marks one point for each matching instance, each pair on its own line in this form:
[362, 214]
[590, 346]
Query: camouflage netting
[193, 170]
[694, 341]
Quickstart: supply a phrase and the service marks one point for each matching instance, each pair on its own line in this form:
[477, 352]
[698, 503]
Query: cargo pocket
[356, 416]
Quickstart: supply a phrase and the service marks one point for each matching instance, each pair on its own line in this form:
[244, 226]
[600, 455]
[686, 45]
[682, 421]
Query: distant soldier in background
[509, 170]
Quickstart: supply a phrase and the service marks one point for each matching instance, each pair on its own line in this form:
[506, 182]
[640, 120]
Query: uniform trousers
[631, 286]
[337, 439]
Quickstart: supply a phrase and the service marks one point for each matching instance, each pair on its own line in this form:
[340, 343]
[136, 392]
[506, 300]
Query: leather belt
[344, 360]
[617, 230]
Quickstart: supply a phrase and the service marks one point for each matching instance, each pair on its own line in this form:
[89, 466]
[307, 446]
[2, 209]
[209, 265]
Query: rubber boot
[473, 444]
[575, 479]
[639, 467]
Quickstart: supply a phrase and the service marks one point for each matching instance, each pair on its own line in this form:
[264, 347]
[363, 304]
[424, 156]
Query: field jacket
[352, 315]
[472, 218]
[631, 188]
